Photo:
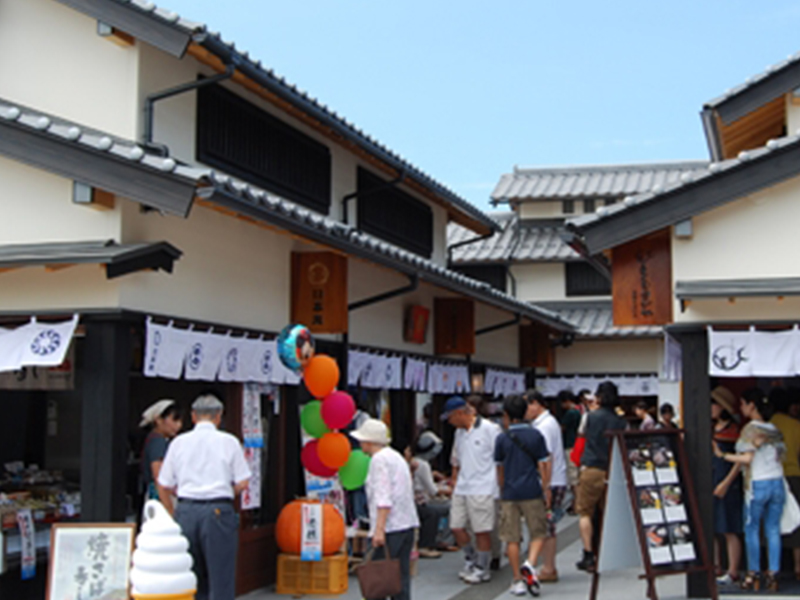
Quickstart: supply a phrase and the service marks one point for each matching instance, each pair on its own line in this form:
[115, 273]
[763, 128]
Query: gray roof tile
[515, 242]
[595, 320]
[590, 181]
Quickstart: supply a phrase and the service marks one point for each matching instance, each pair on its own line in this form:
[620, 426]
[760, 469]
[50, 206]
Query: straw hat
[154, 411]
[372, 430]
[724, 397]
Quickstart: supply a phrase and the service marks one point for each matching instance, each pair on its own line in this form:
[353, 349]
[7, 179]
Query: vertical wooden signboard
[651, 519]
[319, 291]
[641, 281]
[454, 326]
[535, 349]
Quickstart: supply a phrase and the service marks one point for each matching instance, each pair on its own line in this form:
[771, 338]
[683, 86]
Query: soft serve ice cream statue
[162, 565]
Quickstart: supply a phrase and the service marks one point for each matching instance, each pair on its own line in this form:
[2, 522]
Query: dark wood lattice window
[393, 215]
[585, 280]
[239, 138]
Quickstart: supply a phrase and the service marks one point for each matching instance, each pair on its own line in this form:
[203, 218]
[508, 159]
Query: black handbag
[379, 578]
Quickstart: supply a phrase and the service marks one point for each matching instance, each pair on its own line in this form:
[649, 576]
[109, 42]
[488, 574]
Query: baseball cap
[453, 403]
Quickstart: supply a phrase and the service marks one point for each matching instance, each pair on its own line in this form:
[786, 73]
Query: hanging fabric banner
[774, 352]
[673, 359]
[393, 373]
[415, 376]
[28, 539]
[503, 383]
[204, 355]
[627, 385]
[356, 361]
[36, 344]
[165, 350]
[730, 353]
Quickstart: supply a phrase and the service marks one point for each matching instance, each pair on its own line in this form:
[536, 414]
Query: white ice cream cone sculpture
[162, 565]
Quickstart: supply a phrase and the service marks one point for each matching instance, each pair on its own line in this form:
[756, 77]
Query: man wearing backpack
[523, 470]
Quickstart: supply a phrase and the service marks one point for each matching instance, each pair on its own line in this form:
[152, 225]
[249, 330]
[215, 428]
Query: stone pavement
[437, 579]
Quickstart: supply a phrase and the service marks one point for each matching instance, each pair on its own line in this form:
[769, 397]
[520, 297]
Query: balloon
[354, 472]
[333, 450]
[309, 456]
[321, 375]
[295, 347]
[337, 410]
[311, 420]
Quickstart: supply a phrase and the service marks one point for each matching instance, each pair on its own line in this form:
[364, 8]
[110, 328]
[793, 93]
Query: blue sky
[466, 90]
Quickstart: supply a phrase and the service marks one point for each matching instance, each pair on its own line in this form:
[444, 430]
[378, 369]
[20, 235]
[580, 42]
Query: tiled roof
[253, 68]
[768, 72]
[590, 181]
[516, 241]
[687, 180]
[595, 320]
[283, 213]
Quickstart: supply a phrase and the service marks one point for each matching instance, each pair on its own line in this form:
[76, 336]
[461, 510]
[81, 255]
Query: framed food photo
[90, 561]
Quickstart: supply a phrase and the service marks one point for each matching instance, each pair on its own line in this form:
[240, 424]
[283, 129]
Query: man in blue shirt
[519, 453]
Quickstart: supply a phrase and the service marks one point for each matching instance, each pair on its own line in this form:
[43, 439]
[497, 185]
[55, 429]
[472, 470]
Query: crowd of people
[756, 470]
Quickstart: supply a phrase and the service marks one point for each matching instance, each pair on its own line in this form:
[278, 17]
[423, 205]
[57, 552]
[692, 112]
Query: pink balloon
[338, 409]
[310, 459]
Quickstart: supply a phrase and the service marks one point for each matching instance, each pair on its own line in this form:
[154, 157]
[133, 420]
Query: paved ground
[437, 579]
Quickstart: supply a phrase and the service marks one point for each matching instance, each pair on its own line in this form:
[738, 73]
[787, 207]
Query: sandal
[752, 581]
[770, 582]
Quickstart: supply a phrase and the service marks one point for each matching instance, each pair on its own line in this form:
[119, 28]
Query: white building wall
[540, 210]
[610, 356]
[51, 59]
[174, 125]
[748, 238]
[540, 281]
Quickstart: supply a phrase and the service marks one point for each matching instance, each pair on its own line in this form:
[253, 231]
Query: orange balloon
[333, 450]
[321, 375]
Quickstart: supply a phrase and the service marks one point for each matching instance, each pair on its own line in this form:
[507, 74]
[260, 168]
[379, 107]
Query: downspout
[388, 184]
[515, 321]
[412, 286]
[450, 248]
[174, 91]
[517, 240]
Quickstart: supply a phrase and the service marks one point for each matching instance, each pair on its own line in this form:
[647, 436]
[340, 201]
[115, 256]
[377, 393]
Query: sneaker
[429, 553]
[518, 588]
[528, 573]
[727, 579]
[478, 575]
[587, 563]
[469, 566]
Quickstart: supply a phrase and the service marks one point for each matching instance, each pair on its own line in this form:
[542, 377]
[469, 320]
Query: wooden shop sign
[535, 349]
[319, 291]
[454, 326]
[641, 281]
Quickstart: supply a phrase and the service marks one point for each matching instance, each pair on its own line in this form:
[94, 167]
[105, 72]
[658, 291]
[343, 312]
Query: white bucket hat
[372, 430]
[154, 411]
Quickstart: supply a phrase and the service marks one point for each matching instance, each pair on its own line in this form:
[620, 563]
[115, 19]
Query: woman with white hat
[165, 419]
[390, 497]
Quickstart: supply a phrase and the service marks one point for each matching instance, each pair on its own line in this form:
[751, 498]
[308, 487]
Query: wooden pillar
[106, 362]
[697, 423]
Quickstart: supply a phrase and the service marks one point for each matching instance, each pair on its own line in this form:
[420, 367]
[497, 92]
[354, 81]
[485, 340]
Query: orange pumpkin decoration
[289, 526]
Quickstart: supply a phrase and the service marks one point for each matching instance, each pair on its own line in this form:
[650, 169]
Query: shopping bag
[379, 578]
[577, 451]
[790, 518]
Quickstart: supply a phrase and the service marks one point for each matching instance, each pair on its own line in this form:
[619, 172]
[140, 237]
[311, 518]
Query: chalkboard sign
[90, 561]
[651, 518]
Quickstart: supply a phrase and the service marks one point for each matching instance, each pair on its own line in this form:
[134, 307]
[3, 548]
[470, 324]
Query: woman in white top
[390, 497]
[760, 451]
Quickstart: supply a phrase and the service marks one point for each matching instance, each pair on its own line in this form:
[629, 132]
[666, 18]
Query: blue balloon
[295, 347]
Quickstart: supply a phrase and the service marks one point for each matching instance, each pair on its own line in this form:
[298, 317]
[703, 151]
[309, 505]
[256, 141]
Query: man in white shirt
[549, 427]
[476, 487]
[206, 469]
[390, 497]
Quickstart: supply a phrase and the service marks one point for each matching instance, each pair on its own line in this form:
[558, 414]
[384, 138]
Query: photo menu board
[660, 500]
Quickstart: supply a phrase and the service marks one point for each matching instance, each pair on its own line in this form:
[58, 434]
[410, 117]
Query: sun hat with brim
[154, 411]
[453, 404]
[372, 430]
[724, 397]
[429, 445]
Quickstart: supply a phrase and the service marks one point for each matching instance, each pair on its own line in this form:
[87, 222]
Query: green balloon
[354, 473]
[311, 420]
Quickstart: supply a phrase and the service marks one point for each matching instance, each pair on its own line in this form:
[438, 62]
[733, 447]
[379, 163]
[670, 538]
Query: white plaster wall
[499, 347]
[52, 59]
[33, 289]
[610, 356]
[540, 210]
[37, 207]
[231, 272]
[749, 238]
[174, 125]
[792, 115]
[540, 281]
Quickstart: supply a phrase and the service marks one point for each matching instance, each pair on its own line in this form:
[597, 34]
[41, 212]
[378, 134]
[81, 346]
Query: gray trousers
[400, 543]
[213, 532]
